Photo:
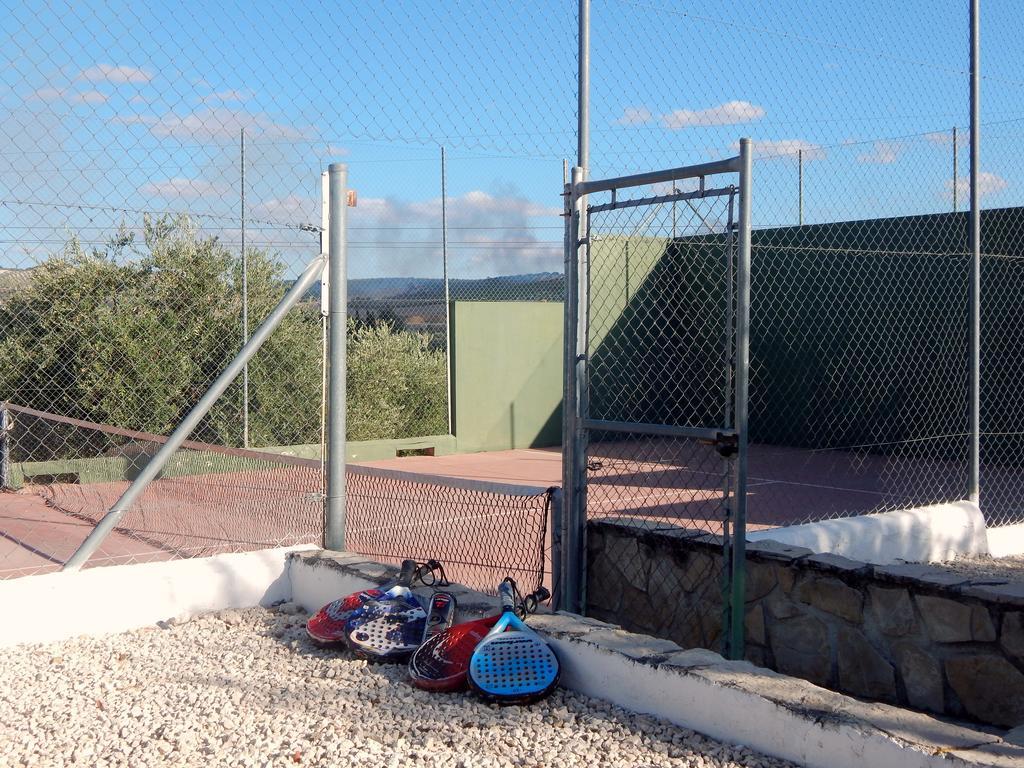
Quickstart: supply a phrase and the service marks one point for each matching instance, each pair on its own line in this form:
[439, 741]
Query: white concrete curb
[922, 535]
[1006, 540]
[98, 601]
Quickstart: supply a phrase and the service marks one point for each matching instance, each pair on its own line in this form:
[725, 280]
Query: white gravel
[246, 688]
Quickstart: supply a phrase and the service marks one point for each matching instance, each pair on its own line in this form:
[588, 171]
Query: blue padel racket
[387, 629]
[513, 664]
[328, 624]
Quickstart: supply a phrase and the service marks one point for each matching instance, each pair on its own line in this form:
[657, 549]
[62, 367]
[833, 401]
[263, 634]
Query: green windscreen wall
[859, 332]
[507, 374]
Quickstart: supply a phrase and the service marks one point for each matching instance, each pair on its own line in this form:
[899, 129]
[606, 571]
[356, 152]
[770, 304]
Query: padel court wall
[859, 344]
[507, 374]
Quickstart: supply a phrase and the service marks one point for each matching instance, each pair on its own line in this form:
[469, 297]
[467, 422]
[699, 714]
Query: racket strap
[431, 573]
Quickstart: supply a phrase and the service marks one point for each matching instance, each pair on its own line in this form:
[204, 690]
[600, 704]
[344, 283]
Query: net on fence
[212, 499]
[480, 531]
[208, 499]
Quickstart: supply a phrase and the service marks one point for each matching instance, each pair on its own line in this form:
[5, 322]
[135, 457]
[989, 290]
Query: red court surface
[660, 481]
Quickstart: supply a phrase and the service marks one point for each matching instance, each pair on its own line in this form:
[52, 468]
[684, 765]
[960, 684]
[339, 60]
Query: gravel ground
[1007, 568]
[247, 688]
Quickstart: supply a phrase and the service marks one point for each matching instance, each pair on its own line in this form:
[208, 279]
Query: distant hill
[540, 286]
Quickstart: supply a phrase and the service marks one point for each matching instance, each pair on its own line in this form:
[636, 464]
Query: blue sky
[110, 109]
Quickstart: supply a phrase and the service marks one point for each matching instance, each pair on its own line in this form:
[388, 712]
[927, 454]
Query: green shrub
[134, 334]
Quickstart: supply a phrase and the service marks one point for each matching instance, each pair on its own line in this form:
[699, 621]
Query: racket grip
[508, 600]
[408, 573]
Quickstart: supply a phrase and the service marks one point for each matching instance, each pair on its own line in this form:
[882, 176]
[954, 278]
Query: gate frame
[575, 416]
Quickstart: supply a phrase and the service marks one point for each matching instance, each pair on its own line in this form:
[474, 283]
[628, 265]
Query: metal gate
[657, 269]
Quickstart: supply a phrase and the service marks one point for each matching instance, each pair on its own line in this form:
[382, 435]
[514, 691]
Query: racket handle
[508, 599]
[408, 573]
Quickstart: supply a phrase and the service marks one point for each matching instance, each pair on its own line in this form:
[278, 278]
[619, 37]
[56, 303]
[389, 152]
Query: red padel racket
[328, 624]
[441, 663]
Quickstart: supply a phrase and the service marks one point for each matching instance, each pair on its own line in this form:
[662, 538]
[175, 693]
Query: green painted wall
[507, 386]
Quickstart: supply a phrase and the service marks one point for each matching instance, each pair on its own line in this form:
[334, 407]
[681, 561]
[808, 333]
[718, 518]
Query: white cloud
[109, 73]
[231, 95]
[946, 138]
[295, 209]
[489, 234]
[729, 113]
[334, 150]
[478, 201]
[634, 116]
[883, 152]
[988, 184]
[51, 94]
[766, 148]
[213, 124]
[183, 189]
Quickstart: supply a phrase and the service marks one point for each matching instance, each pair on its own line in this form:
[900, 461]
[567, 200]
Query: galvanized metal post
[334, 529]
[570, 405]
[573, 450]
[956, 172]
[800, 186]
[447, 294]
[583, 89]
[974, 483]
[5, 448]
[578, 515]
[739, 557]
[192, 419]
[557, 521]
[245, 301]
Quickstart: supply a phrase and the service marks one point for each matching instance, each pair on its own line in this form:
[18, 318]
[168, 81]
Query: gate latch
[726, 443]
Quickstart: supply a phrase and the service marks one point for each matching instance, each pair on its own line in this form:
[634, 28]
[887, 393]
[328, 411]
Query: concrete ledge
[924, 534]
[771, 713]
[97, 601]
[1006, 540]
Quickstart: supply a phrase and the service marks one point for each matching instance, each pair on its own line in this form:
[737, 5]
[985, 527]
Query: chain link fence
[161, 190]
[660, 385]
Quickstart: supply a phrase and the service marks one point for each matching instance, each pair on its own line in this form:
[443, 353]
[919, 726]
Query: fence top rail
[673, 198]
[465, 484]
[729, 165]
[149, 437]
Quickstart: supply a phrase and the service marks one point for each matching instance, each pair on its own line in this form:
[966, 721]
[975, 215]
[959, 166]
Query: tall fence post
[739, 544]
[334, 529]
[557, 523]
[571, 488]
[194, 417]
[5, 448]
[974, 482]
[578, 515]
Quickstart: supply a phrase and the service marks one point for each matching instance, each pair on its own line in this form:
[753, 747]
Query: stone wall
[912, 635]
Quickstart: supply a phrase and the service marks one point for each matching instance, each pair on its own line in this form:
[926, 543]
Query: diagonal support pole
[191, 421]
